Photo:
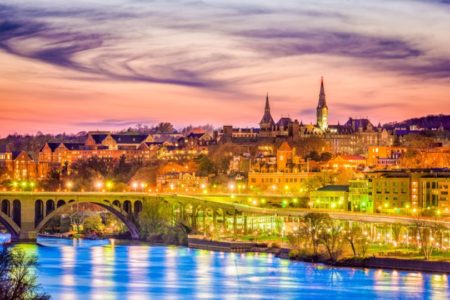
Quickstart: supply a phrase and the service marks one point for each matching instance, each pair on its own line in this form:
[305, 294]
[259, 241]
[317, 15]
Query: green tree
[206, 166]
[53, 181]
[17, 278]
[93, 223]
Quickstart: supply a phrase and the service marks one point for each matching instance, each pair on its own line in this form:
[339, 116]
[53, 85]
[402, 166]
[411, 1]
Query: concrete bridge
[25, 214]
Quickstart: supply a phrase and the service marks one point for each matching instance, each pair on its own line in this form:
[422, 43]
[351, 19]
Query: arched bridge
[25, 214]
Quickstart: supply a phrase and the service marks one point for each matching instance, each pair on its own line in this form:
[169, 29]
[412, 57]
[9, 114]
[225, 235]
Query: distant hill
[428, 122]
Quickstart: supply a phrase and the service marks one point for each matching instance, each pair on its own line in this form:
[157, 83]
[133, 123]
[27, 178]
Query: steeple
[322, 108]
[322, 99]
[267, 107]
[267, 120]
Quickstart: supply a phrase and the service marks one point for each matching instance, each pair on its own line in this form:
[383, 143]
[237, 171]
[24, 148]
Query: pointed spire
[267, 107]
[267, 120]
[322, 100]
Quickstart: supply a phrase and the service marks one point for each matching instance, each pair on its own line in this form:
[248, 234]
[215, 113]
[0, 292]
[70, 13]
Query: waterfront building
[330, 197]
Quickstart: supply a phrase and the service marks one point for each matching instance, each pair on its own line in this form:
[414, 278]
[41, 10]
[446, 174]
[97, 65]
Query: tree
[205, 166]
[163, 127]
[331, 239]
[315, 224]
[318, 181]
[94, 224]
[53, 181]
[425, 238]
[17, 280]
[157, 222]
[397, 230]
[356, 239]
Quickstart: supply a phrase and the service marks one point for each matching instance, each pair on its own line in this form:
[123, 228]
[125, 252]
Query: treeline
[430, 121]
[33, 143]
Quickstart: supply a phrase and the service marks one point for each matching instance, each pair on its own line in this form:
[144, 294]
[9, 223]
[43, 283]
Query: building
[409, 191]
[359, 198]
[18, 165]
[285, 173]
[384, 156]
[345, 162]
[331, 197]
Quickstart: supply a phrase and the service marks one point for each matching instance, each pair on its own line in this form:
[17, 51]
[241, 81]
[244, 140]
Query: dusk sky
[67, 66]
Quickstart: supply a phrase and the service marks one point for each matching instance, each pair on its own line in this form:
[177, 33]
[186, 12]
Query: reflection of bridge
[25, 214]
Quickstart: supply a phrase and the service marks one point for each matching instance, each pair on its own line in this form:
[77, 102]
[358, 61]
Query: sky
[69, 66]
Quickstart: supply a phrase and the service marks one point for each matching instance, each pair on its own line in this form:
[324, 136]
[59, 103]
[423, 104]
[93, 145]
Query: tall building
[322, 109]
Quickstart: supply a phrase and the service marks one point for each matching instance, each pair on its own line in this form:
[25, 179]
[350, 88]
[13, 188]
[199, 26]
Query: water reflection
[104, 270]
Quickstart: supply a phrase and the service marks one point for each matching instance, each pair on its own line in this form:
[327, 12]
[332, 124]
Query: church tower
[267, 122]
[322, 109]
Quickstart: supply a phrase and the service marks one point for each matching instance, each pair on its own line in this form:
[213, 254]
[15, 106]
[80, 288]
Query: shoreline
[399, 264]
[387, 263]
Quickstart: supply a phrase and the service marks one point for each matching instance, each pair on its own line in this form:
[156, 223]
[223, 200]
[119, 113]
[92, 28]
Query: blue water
[103, 270]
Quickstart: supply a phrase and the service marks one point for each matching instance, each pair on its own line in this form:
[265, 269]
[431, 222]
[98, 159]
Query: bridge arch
[6, 207]
[120, 214]
[49, 206]
[17, 212]
[38, 211]
[10, 226]
[127, 207]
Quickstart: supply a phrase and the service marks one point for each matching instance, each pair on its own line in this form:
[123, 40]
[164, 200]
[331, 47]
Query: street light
[99, 185]
[69, 185]
[109, 185]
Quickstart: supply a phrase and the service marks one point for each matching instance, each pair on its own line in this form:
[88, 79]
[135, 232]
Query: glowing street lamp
[23, 184]
[15, 184]
[109, 185]
[99, 185]
[69, 185]
[134, 185]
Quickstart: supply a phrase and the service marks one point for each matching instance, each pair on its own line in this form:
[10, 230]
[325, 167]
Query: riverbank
[283, 253]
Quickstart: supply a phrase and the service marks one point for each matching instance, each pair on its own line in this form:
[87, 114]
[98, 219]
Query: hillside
[429, 122]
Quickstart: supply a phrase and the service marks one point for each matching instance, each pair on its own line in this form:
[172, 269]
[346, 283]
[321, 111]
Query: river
[83, 269]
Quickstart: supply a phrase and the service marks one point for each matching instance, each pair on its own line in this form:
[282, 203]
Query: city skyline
[149, 63]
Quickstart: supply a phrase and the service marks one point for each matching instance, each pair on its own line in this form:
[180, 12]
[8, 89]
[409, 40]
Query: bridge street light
[69, 185]
[99, 185]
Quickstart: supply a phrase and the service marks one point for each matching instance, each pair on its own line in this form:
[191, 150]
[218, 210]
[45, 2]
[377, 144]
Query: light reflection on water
[100, 270]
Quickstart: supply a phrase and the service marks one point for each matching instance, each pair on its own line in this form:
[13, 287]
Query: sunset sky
[67, 66]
